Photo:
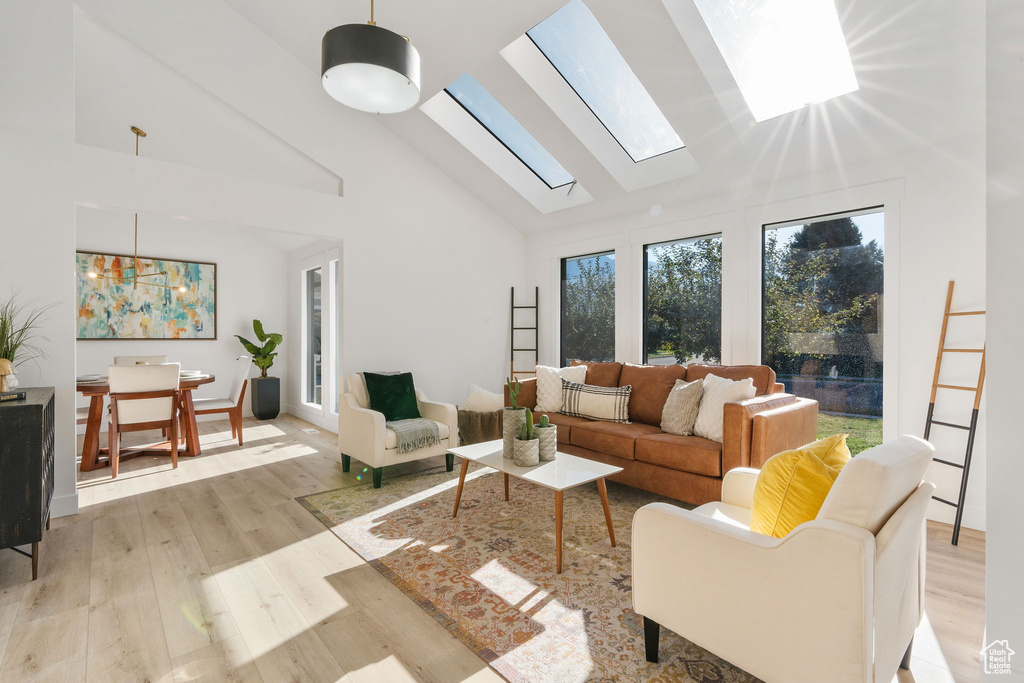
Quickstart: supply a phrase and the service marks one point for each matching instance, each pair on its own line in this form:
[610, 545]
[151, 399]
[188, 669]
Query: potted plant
[527, 447]
[19, 330]
[512, 419]
[547, 438]
[266, 391]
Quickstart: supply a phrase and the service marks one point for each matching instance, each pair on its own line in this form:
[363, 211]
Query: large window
[313, 333]
[822, 326]
[588, 308]
[683, 301]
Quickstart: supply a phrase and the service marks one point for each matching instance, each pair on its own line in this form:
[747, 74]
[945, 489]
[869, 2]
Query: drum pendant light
[370, 68]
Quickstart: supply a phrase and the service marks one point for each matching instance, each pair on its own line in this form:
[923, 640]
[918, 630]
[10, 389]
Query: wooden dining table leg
[191, 428]
[462, 481]
[607, 510]
[91, 446]
[558, 530]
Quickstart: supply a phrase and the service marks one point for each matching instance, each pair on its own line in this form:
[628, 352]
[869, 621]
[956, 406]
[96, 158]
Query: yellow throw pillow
[793, 484]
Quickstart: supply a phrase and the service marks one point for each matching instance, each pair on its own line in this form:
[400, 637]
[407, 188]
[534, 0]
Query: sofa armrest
[738, 487]
[445, 413]
[527, 397]
[781, 429]
[778, 388]
[361, 431]
[738, 427]
[797, 608]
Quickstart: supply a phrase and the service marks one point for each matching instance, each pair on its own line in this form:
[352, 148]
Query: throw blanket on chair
[414, 434]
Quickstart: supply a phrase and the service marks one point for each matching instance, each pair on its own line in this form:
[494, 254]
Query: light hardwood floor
[213, 572]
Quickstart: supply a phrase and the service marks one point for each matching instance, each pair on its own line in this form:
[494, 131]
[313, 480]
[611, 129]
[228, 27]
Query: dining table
[96, 389]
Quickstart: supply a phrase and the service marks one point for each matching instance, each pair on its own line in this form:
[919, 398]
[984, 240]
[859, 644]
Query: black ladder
[512, 372]
[973, 426]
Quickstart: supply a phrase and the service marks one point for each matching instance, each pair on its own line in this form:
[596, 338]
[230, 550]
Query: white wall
[250, 284]
[935, 214]
[1004, 614]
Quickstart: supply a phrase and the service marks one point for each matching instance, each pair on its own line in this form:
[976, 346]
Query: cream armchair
[838, 599]
[363, 435]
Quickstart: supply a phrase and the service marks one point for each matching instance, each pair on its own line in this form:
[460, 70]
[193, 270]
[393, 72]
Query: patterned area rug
[489, 575]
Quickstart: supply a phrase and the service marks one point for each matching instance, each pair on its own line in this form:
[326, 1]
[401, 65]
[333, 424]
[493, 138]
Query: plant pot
[527, 453]
[266, 397]
[512, 420]
[547, 437]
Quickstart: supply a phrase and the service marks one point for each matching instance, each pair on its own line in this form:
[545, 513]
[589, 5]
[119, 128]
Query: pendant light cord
[371, 22]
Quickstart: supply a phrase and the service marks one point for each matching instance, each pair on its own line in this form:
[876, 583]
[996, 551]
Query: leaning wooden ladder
[512, 372]
[971, 429]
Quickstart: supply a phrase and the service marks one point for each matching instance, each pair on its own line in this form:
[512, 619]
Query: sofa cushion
[601, 374]
[763, 376]
[686, 453]
[565, 424]
[651, 386]
[611, 438]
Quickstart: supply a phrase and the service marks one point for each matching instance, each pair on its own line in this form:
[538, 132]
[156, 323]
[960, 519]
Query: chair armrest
[781, 429]
[361, 431]
[797, 608]
[738, 487]
[440, 412]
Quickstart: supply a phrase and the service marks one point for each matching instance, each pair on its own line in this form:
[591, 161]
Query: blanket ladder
[535, 307]
[971, 428]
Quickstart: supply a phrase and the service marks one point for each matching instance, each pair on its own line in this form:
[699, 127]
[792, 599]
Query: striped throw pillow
[680, 411]
[596, 403]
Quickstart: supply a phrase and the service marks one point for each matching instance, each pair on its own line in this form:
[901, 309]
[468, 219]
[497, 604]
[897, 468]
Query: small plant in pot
[527, 447]
[266, 391]
[547, 438]
[513, 418]
[19, 332]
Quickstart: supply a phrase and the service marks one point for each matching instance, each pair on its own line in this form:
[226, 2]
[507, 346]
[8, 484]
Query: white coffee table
[564, 472]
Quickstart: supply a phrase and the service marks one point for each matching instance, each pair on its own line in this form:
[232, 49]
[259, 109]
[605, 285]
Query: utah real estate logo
[996, 656]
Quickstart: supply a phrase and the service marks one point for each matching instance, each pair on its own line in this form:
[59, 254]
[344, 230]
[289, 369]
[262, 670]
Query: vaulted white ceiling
[920, 65]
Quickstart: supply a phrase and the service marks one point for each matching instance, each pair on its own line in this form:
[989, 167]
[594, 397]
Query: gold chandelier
[137, 271]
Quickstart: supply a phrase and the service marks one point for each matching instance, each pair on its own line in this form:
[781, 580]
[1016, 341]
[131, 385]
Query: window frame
[562, 298]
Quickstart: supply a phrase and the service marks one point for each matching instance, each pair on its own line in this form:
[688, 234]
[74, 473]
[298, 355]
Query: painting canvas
[114, 309]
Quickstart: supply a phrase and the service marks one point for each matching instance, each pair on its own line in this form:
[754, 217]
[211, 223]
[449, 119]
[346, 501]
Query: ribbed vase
[548, 438]
[512, 420]
[527, 453]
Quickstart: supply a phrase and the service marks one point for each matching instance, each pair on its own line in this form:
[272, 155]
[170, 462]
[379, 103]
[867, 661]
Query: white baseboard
[62, 506]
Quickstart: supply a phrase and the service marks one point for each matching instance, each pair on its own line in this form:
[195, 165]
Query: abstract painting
[111, 308]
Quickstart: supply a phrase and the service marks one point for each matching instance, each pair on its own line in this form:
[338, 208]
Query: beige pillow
[549, 385]
[717, 392]
[681, 408]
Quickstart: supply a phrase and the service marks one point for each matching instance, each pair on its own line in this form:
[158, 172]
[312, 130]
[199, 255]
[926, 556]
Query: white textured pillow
[680, 411]
[549, 385]
[717, 392]
[482, 401]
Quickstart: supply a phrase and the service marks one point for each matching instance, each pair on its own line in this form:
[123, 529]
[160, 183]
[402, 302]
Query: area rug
[488, 576]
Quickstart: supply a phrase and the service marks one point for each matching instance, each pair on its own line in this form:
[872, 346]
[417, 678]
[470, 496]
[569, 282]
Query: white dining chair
[143, 397]
[139, 360]
[232, 405]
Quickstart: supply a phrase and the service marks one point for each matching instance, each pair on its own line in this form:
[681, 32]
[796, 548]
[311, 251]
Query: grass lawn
[864, 432]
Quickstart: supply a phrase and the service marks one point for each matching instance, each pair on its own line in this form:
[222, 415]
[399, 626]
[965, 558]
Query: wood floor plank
[284, 645]
[51, 648]
[163, 517]
[214, 526]
[330, 549]
[227, 661]
[193, 611]
[248, 510]
[365, 652]
[64, 571]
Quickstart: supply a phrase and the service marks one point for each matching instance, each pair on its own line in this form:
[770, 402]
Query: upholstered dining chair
[143, 397]
[232, 405]
[837, 599]
[139, 360]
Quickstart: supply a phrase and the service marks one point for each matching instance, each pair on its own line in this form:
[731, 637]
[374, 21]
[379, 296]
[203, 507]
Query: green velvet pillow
[393, 395]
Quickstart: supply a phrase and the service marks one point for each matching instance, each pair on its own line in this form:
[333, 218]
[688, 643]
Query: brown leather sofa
[687, 468]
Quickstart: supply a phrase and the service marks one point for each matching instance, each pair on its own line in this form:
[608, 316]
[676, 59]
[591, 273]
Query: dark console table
[26, 471]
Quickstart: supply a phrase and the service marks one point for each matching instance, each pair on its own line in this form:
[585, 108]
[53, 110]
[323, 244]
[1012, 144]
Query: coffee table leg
[458, 491]
[607, 511]
[506, 486]
[558, 529]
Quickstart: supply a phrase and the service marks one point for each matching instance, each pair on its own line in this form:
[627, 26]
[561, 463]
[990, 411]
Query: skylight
[580, 50]
[482, 106]
[784, 54]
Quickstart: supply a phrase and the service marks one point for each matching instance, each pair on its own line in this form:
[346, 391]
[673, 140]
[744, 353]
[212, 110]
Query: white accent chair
[232, 405]
[143, 397]
[838, 599]
[363, 435]
[140, 360]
